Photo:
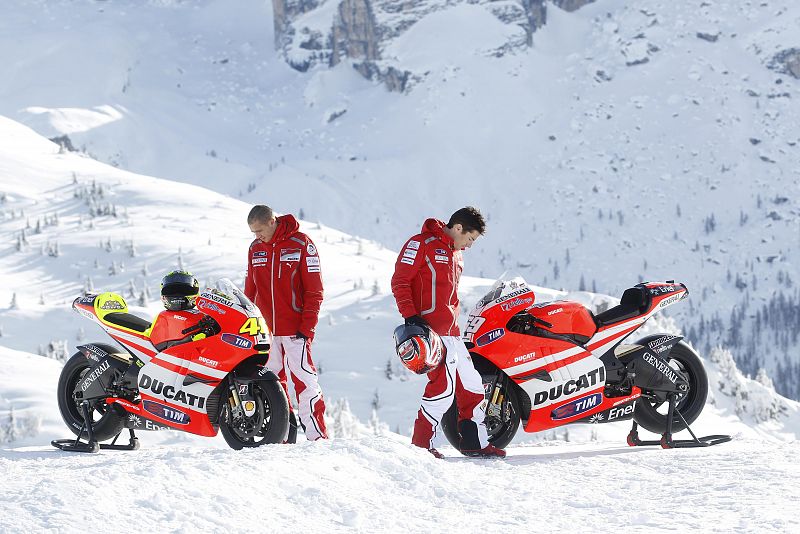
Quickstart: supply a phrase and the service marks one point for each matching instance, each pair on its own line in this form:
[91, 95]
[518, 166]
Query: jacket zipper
[272, 290]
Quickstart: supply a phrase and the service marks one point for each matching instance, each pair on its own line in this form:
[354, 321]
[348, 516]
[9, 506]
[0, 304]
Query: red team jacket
[284, 280]
[425, 280]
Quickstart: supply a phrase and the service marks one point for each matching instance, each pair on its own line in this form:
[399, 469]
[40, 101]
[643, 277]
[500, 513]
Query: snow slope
[379, 484]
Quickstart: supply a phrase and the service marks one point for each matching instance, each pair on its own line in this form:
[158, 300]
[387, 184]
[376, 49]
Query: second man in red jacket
[425, 286]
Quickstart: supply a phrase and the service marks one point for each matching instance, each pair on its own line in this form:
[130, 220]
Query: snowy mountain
[618, 143]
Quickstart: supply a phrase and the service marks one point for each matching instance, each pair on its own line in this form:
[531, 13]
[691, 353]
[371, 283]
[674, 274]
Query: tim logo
[578, 406]
[490, 337]
[237, 341]
[165, 412]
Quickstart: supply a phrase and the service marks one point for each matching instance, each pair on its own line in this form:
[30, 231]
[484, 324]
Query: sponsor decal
[87, 300]
[94, 374]
[97, 352]
[178, 317]
[166, 412]
[205, 305]
[441, 259]
[256, 261]
[440, 251]
[506, 306]
[627, 399]
[662, 290]
[622, 411]
[658, 345]
[596, 418]
[557, 310]
[662, 367]
[312, 260]
[236, 341]
[409, 261]
[149, 425]
[525, 357]
[313, 269]
[210, 363]
[490, 337]
[592, 378]
[290, 254]
[578, 406]
[671, 300]
[112, 305]
[87, 314]
[249, 408]
[222, 299]
[311, 249]
[413, 245]
[128, 405]
[135, 420]
[512, 295]
[158, 387]
[242, 389]
[260, 254]
[409, 253]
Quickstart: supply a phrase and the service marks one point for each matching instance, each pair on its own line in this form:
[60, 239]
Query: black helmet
[179, 290]
[420, 349]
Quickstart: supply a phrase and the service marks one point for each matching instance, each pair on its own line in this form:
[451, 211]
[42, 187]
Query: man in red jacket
[284, 281]
[425, 286]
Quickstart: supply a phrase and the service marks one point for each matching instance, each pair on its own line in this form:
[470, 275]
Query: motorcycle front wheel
[269, 423]
[651, 413]
[502, 420]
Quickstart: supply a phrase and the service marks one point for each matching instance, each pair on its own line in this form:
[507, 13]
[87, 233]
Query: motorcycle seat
[127, 320]
[635, 301]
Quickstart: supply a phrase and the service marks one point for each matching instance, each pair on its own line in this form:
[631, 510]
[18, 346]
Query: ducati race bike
[549, 364]
[211, 380]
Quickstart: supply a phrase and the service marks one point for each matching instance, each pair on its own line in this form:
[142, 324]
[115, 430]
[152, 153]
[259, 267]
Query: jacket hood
[436, 227]
[287, 227]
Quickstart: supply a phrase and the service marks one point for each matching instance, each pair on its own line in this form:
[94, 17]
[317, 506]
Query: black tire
[107, 421]
[652, 415]
[272, 402]
[500, 433]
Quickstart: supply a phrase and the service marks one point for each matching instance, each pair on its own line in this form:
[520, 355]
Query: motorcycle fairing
[561, 375]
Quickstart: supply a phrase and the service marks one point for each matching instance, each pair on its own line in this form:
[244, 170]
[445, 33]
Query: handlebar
[208, 325]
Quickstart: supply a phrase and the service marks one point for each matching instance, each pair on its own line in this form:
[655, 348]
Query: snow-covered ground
[380, 484]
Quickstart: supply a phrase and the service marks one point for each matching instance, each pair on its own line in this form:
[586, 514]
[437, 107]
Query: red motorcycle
[550, 364]
[211, 379]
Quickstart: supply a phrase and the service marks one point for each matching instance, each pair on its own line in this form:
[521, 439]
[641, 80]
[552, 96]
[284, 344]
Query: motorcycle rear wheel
[107, 421]
[652, 414]
[272, 402]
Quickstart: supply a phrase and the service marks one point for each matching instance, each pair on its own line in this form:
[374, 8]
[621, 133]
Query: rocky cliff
[328, 32]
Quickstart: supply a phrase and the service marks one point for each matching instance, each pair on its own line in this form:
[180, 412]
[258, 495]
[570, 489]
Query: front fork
[496, 396]
[241, 398]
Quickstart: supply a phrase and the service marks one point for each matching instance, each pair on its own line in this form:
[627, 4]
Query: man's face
[463, 240]
[264, 230]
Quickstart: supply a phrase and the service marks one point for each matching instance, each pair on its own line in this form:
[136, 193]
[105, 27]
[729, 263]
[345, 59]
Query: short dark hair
[260, 213]
[469, 218]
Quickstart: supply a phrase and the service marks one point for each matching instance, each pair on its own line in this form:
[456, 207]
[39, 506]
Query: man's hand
[416, 320]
